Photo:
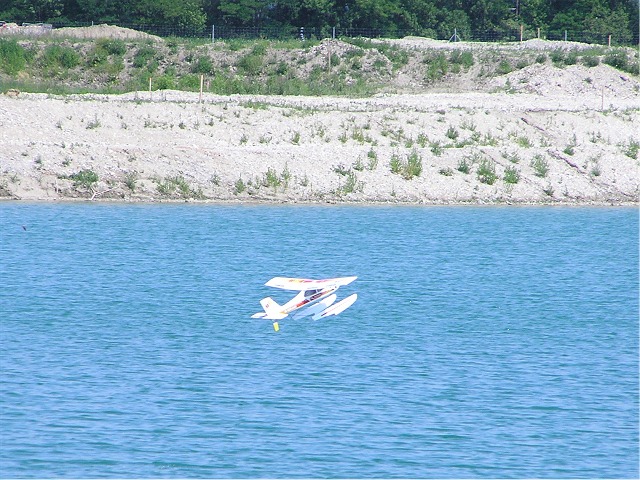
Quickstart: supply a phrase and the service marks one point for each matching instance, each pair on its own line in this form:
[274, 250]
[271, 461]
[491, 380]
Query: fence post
[333, 35]
[201, 85]
[565, 35]
[538, 33]
[301, 33]
[213, 33]
[521, 32]
[609, 40]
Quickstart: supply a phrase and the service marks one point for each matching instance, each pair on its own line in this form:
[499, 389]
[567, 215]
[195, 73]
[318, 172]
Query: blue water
[486, 342]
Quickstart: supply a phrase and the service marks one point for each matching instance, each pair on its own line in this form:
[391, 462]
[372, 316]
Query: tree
[20, 11]
[243, 12]
[185, 13]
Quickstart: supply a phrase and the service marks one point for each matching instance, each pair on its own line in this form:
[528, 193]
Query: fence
[225, 32]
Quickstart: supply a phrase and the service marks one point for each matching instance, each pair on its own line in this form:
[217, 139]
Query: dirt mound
[104, 31]
[574, 80]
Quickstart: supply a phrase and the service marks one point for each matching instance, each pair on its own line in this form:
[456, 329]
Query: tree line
[432, 18]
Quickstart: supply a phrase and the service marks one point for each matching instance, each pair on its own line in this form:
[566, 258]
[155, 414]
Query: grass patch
[408, 168]
[540, 166]
[84, 179]
[487, 171]
[12, 56]
[511, 175]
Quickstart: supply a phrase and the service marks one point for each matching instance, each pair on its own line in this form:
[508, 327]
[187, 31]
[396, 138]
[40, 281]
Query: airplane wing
[299, 284]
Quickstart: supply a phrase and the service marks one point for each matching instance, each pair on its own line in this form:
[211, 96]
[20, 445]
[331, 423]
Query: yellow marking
[276, 327]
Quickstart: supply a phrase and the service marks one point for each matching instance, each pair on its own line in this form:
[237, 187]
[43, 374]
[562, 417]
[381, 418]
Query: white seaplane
[318, 296]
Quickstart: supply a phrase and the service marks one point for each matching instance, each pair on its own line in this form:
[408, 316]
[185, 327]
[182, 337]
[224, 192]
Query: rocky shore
[539, 135]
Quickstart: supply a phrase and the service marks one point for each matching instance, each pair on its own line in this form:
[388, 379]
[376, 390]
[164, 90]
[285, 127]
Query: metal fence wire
[226, 32]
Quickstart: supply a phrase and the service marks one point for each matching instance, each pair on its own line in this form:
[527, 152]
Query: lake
[485, 342]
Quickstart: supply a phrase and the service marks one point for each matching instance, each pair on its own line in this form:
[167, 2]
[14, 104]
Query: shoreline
[552, 147]
[311, 203]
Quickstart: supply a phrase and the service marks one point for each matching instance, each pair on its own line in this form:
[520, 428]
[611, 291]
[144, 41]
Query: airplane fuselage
[306, 297]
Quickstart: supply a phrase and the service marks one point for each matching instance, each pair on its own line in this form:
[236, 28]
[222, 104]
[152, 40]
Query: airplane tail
[272, 309]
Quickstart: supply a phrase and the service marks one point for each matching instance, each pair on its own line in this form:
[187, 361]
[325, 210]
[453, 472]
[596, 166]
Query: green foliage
[351, 184]
[84, 178]
[112, 46]
[540, 166]
[58, 56]
[12, 56]
[239, 186]
[177, 185]
[590, 61]
[143, 56]
[438, 67]
[511, 175]
[203, 65]
[504, 67]
[631, 148]
[130, 180]
[463, 165]
[452, 133]
[462, 57]
[389, 17]
[487, 171]
[409, 167]
[250, 64]
[617, 59]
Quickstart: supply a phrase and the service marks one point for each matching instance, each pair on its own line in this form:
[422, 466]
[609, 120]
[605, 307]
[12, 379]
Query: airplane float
[315, 297]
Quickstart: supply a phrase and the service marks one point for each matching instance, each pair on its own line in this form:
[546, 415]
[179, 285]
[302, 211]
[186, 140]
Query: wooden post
[521, 32]
[609, 40]
[149, 87]
[201, 85]
[565, 35]
[538, 33]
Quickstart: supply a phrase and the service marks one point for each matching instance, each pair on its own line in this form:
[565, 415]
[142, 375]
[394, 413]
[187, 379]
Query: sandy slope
[168, 145]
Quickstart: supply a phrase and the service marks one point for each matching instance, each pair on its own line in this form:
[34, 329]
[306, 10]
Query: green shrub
[590, 61]
[203, 66]
[542, 58]
[571, 59]
[452, 133]
[142, 57]
[504, 67]
[540, 166]
[409, 168]
[351, 184]
[12, 56]
[165, 82]
[487, 171]
[189, 82]
[84, 178]
[438, 67]
[463, 165]
[240, 186]
[557, 57]
[631, 149]
[617, 60]
[395, 164]
[250, 64]
[413, 166]
[112, 46]
[464, 58]
[59, 56]
[511, 175]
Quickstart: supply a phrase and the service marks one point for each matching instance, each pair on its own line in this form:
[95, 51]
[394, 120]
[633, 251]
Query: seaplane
[315, 298]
